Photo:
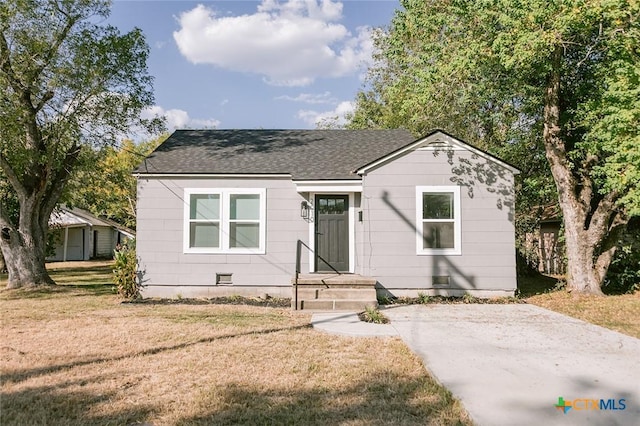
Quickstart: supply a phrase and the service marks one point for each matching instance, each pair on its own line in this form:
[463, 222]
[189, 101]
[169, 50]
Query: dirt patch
[272, 302]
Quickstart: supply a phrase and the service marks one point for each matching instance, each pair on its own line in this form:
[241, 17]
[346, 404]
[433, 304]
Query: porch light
[304, 209]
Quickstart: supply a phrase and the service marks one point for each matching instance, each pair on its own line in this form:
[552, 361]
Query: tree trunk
[26, 268]
[582, 276]
[24, 245]
[585, 233]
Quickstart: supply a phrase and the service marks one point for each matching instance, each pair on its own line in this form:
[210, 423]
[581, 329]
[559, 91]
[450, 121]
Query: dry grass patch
[78, 356]
[620, 313]
[616, 312]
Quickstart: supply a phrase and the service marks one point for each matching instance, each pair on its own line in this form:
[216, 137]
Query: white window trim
[457, 244]
[225, 197]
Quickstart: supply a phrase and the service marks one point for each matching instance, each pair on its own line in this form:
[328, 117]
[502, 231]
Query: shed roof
[64, 216]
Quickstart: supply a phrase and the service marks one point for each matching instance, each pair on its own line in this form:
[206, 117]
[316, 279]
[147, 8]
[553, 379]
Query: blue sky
[276, 64]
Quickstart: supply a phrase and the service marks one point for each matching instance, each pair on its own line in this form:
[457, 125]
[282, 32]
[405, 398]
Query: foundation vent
[224, 279]
[441, 280]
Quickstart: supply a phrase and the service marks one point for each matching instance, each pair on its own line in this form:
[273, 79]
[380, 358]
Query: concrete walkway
[509, 364]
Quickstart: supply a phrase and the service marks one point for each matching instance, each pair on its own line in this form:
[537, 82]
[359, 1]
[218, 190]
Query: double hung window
[225, 220]
[438, 219]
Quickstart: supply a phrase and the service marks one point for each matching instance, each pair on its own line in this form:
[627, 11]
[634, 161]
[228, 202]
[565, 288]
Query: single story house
[224, 212]
[79, 235]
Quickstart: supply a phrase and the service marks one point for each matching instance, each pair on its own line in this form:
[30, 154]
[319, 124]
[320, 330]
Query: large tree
[533, 80]
[66, 80]
[103, 183]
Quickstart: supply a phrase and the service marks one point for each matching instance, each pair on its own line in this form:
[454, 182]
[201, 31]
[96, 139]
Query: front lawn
[74, 355]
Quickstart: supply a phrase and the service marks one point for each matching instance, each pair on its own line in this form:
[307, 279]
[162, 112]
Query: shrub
[423, 298]
[373, 315]
[125, 272]
[624, 273]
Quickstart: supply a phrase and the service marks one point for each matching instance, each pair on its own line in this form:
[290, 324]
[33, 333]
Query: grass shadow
[385, 398]
[537, 284]
[39, 405]
[67, 290]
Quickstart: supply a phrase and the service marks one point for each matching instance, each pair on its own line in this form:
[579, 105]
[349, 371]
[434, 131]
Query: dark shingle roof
[305, 154]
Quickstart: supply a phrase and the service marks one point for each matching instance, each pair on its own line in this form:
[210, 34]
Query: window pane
[245, 206]
[204, 235]
[205, 206]
[437, 205]
[438, 235]
[244, 235]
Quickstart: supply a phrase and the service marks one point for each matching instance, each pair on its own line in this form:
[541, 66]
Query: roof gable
[437, 139]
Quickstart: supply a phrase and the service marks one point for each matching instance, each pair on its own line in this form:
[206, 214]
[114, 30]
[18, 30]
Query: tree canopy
[66, 80]
[103, 183]
[551, 86]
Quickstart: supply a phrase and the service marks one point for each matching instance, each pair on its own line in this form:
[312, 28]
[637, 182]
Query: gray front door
[332, 232]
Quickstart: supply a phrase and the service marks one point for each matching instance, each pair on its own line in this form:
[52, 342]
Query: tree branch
[57, 42]
[5, 63]
[5, 222]
[603, 218]
[554, 145]
[50, 198]
[609, 244]
[11, 175]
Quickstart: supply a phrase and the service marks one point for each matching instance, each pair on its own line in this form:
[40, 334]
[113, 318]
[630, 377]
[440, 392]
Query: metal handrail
[299, 245]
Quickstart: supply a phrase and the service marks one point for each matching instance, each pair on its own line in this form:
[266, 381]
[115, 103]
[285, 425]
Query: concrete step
[335, 305]
[336, 293]
[333, 280]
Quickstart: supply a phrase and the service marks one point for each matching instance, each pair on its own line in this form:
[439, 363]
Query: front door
[332, 233]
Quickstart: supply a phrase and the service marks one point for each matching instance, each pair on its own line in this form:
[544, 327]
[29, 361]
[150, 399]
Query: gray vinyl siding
[386, 239]
[168, 271]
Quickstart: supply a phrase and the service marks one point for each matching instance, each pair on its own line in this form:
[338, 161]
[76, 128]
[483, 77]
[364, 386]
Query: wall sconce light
[304, 209]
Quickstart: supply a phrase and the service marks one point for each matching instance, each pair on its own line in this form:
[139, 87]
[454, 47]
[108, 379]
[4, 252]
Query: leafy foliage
[125, 273]
[551, 87]
[624, 272]
[66, 81]
[103, 183]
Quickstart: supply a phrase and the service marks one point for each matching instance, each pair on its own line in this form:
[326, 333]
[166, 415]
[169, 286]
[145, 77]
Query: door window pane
[245, 207]
[205, 206]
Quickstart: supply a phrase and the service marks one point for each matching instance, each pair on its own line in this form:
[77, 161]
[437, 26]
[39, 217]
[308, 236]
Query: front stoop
[332, 292]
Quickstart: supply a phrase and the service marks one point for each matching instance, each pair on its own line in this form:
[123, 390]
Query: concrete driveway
[509, 364]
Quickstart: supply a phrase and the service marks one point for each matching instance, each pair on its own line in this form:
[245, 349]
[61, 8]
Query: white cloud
[290, 43]
[336, 117]
[179, 119]
[310, 98]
